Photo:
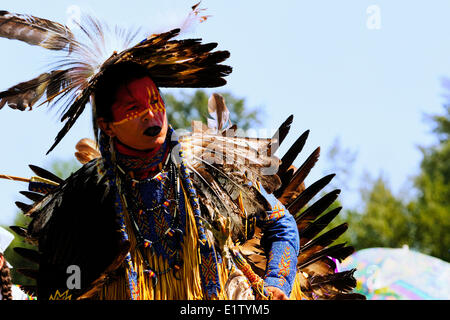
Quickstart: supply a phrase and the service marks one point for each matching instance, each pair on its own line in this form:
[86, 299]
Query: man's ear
[105, 126]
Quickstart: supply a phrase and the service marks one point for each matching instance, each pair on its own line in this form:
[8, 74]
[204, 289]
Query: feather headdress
[72, 79]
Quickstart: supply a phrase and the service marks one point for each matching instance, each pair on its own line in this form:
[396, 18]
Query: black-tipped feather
[33, 196]
[299, 176]
[316, 209]
[341, 281]
[325, 239]
[23, 206]
[29, 254]
[348, 296]
[30, 273]
[45, 174]
[21, 231]
[308, 194]
[313, 229]
[289, 157]
[29, 290]
[305, 261]
[281, 134]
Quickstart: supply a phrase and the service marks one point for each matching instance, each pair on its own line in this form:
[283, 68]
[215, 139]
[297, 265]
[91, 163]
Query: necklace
[170, 239]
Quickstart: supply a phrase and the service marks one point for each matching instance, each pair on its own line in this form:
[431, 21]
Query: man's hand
[277, 294]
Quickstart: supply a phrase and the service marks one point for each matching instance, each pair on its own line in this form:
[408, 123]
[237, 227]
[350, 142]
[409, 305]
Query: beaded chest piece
[157, 215]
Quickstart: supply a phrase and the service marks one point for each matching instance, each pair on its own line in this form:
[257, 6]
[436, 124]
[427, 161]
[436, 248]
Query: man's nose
[148, 114]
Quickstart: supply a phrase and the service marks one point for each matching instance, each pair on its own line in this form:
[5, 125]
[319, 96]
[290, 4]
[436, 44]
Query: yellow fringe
[168, 287]
[188, 287]
[296, 293]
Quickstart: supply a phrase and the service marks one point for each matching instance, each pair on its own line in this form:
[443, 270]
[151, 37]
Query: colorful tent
[399, 274]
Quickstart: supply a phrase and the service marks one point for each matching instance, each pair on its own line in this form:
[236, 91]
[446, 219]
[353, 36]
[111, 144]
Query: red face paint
[138, 98]
[139, 116]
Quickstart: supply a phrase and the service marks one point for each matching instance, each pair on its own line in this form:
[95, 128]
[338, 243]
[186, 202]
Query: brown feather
[34, 31]
[87, 150]
[25, 94]
[218, 110]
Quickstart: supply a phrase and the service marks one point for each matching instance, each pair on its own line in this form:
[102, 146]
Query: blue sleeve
[281, 243]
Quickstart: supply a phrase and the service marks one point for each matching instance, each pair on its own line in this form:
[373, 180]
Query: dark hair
[5, 281]
[110, 81]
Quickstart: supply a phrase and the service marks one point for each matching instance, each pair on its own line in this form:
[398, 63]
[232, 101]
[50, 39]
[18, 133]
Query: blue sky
[318, 60]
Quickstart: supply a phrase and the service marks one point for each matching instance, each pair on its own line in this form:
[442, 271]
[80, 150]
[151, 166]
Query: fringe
[296, 293]
[188, 285]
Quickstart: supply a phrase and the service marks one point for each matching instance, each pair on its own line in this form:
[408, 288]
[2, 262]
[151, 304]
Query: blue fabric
[281, 242]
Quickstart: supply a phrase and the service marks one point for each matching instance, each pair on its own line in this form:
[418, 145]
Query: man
[132, 118]
[149, 216]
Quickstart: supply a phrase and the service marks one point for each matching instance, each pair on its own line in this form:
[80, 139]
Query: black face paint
[152, 131]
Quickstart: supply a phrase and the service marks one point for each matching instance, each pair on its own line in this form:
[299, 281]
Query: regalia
[208, 223]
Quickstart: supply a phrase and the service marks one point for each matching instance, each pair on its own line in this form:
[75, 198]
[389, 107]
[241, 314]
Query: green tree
[182, 110]
[432, 206]
[64, 168]
[341, 160]
[384, 221]
[423, 221]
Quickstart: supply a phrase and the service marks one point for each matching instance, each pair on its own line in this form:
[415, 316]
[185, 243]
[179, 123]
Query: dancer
[155, 214]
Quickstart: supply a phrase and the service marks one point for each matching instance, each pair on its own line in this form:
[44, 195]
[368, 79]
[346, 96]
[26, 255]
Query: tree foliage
[384, 221]
[432, 207]
[422, 222]
[187, 107]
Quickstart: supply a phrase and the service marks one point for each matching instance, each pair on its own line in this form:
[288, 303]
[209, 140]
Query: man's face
[139, 115]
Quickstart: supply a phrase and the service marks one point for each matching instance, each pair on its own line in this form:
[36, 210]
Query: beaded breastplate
[157, 213]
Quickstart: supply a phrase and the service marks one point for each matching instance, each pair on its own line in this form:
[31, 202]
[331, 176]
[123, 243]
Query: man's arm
[281, 243]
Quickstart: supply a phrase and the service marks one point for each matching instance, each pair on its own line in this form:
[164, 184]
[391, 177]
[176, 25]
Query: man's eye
[132, 108]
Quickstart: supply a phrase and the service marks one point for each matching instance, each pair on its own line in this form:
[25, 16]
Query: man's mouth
[152, 131]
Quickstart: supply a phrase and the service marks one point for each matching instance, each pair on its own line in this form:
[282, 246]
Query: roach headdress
[72, 79]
